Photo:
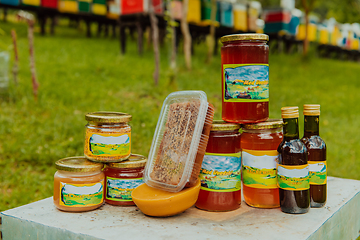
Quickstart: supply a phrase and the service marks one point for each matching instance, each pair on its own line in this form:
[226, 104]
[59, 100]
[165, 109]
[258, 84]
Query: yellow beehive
[323, 36]
[99, 9]
[355, 44]
[32, 2]
[335, 35]
[194, 12]
[240, 17]
[68, 6]
[311, 32]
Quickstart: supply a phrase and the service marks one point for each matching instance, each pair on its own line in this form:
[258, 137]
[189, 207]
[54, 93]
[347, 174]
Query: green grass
[79, 75]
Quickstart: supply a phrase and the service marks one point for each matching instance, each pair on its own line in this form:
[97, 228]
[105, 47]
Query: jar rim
[78, 164]
[108, 117]
[268, 124]
[244, 37]
[134, 161]
[220, 125]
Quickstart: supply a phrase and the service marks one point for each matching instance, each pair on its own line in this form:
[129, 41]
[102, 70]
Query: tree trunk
[35, 83]
[16, 56]
[211, 38]
[155, 38]
[186, 33]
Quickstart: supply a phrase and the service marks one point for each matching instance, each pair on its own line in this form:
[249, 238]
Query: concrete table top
[339, 219]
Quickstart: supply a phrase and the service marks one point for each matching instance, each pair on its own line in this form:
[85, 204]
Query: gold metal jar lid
[311, 109]
[78, 164]
[268, 124]
[134, 161]
[108, 117]
[244, 37]
[220, 125]
[290, 112]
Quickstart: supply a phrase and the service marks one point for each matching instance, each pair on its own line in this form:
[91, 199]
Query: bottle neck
[291, 129]
[311, 126]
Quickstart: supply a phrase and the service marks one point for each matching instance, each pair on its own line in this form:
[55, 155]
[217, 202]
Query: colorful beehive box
[206, 11]
[277, 21]
[324, 36]
[311, 32]
[10, 2]
[84, 6]
[113, 9]
[140, 6]
[194, 12]
[335, 36]
[176, 9]
[253, 15]
[226, 14]
[98, 7]
[240, 17]
[49, 4]
[36, 3]
[68, 6]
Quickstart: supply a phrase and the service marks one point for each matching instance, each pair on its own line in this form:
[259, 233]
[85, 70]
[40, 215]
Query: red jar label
[221, 172]
[246, 82]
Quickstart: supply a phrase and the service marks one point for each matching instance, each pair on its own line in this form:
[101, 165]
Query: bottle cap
[311, 109]
[268, 124]
[134, 161]
[244, 37]
[107, 117]
[78, 164]
[220, 125]
[290, 112]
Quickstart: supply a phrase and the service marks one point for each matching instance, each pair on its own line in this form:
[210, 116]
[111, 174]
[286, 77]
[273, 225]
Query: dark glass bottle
[293, 169]
[316, 155]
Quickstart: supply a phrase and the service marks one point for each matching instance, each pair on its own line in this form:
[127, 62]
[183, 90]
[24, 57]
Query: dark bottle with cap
[316, 155]
[293, 169]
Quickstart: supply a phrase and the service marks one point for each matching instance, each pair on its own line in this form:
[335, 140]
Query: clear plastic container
[179, 142]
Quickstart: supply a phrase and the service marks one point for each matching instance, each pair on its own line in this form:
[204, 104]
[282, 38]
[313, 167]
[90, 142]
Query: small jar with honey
[78, 184]
[259, 143]
[107, 137]
[123, 177]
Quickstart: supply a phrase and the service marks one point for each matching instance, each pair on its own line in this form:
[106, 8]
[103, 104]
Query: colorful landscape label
[246, 82]
[118, 189]
[295, 178]
[317, 172]
[81, 195]
[109, 144]
[259, 168]
[221, 172]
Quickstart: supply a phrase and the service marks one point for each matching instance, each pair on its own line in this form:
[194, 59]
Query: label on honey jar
[246, 82]
[259, 168]
[81, 195]
[107, 144]
[118, 189]
[293, 177]
[317, 172]
[221, 172]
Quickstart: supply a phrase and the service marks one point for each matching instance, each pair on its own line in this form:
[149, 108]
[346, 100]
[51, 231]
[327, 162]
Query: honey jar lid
[311, 109]
[268, 124]
[220, 125]
[134, 161]
[108, 117]
[244, 37]
[290, 112]
[78, 164]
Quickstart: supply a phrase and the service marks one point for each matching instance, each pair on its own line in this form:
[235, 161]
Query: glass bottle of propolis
[293, 168]
[316, 155]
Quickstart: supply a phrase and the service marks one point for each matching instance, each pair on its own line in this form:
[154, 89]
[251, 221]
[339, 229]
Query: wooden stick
[16, 56]
[155, 37]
